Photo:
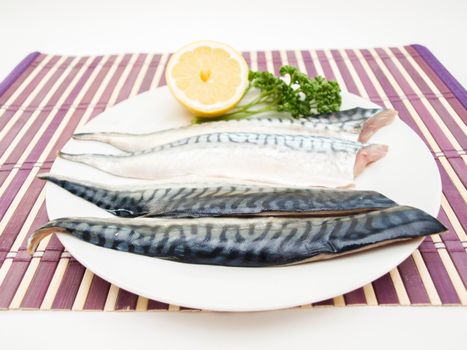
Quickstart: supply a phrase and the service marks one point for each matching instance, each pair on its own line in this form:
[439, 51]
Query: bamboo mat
[46, 97]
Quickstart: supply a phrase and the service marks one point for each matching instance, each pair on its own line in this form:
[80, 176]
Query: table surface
[111, 26]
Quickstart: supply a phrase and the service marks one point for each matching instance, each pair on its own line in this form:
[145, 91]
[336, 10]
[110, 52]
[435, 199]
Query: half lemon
[207, 77]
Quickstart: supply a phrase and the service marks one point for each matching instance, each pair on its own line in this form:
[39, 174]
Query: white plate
[408, 175]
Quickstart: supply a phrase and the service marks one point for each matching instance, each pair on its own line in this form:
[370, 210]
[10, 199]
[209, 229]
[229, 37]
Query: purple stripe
[157, 305]
[440, 278]
[261, 60]
[20, 214]
[130, 82]
[354, 297]
[328, 73]
[453, 196]
[68, 289]
[97, 294]
[12, 280]
[451, 82]
[291, 59]
[385, 290]
[126, 300]
[454, 247]
[17, 71]
[309, 64]
[459, 167]
[450, 97]
[42, 277]
[10, 193]
[146, 84]
[413, 282]
[459, 259]
[431, 97]
[91, 93]
[276, 61]
[2, 257]
[3, 176]
[450, 234]
[102, 104]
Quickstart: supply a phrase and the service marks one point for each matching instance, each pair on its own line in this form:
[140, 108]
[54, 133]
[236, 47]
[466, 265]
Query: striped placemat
[47, 96]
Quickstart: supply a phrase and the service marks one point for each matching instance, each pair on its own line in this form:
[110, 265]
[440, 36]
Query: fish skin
[201, 200]
[247, 242]
[350, 124]
[310, 160]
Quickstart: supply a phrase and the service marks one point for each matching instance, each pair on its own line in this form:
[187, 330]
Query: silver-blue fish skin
[247, 242]
[222, 200]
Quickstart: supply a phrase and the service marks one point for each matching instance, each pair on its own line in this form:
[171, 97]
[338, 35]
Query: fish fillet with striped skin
[293, 160]
[247, 242]
[199, 200]
[357, 124]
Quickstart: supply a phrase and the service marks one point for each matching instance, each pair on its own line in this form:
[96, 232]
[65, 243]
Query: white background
[116, 26]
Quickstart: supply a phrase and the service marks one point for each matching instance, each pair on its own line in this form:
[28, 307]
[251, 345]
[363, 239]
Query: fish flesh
[356, 124]
[293, 160]
[200, 200]
[247, 242]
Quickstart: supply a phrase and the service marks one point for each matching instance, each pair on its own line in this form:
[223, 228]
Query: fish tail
[105, 198]
[73, 186]
[383, 227]
[87, 136]
[42, 232]
[94, 160]
[69, 156]
[122, 141]
[375, 123]
[81, 189]
[105, 137]
[58, 180]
